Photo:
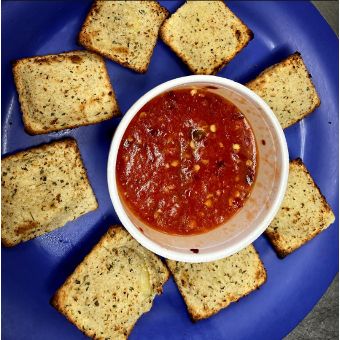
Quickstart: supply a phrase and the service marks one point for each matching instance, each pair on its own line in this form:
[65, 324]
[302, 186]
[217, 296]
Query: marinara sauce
[187, 162]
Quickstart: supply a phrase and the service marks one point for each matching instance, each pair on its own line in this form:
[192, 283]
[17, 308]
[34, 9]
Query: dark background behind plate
[31, 272]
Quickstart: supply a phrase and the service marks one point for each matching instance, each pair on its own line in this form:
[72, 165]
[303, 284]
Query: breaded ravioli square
[303, 214]
[42, 189]
[206, 35]
[288, 89]
[112, 287]
[211, 286]
[123, 31]
[63, 91]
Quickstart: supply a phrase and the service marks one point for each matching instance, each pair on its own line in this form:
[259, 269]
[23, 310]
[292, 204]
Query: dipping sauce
[187, 162]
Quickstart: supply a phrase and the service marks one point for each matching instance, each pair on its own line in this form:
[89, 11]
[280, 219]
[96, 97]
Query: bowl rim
[111, 173]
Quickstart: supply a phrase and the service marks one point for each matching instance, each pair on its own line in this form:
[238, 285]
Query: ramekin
[260, 208]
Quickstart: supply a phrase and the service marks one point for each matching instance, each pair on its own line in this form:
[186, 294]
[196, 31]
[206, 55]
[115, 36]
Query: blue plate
[31, 272]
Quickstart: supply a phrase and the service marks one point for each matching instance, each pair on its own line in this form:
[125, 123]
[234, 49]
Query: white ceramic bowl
[260, 208]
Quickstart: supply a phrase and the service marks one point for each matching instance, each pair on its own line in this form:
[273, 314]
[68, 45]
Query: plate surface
[31, 272]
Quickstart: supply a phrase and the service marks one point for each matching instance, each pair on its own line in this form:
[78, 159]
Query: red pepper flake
[195, 251]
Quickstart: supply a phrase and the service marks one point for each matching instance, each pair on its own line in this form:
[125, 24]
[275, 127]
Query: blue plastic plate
[31, 272]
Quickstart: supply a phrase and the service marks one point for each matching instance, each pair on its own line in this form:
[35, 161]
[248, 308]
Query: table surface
[323, 321]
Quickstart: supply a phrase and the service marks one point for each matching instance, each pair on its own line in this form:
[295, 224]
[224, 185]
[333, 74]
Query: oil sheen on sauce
[187, 162]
